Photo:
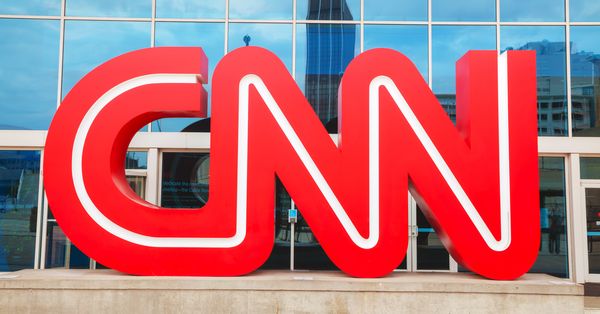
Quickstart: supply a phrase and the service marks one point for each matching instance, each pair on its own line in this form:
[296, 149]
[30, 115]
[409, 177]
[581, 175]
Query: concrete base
[107, 291]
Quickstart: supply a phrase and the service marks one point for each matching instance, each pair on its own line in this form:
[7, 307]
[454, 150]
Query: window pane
[28, 73]
[275, 37]
[19, 187]
[463, 10]
[589, 167]
[190, 9]
[323, 52]
[532, 10]
[553, 254]
[137, 185]
[91, 43]
[60, 252]
[136, 160]
[398, 10]
[280, 255]
[549, 44]
[409, 39]
[431, 253]
[184, 180]
[112, 8]
[328, 10]
[209, 36]
[585, 80]
[260, 9]
[30, 7]
[449, 44]
[584, 10]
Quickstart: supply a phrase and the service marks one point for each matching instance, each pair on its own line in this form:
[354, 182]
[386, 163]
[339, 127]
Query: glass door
[592, 213]
[426, 251]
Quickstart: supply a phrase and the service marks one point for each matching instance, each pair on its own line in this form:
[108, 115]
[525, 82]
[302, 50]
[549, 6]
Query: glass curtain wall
[49, 45]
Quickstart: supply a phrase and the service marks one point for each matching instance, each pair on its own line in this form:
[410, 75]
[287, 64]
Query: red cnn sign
[477, 182]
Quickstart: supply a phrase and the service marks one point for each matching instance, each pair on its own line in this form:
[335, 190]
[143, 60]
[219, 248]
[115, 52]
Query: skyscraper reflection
[329, 49]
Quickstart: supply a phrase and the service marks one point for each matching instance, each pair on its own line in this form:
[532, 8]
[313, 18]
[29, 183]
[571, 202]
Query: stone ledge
[60, 290]
[289, 281]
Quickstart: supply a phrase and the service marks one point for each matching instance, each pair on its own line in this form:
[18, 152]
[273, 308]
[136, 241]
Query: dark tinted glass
[112, 8]
[184, 180]
[28, 73]
[209, 36]
[346, 10]
[60, 252]
[91, 43]
[214, 9]
[553, 254]
[532, 10]
[589, 167]
[19, 188]
[323, 52]
[585, 80]
[431, 253]
[463, 10]
[592, 213]
[450, 43]
[260, 9]
[549, 44]
[30, 7]
[398, 10]
[275, 37]
[584, 10]
[280, 255]
[411, 40]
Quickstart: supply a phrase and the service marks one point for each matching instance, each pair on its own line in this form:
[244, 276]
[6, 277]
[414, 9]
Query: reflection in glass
[585, 80]
[19, 187]
[323, 52]
[431, 253]
[592, 209]
[91, 43]
[204, 9]
[184, 181]
[30, 7]
[549, 44]
[28, 73]
[449, 44]
[411, 40]
[398, 10]
[110, 8]
[584, 10]
[328, 10]
[553, 254]
[209, 36]
[60, 252]
[275, 37]
[136, 160]
[280, 255]
[589, 167]
[308, 253]
[532, 10]
[260, 9]
[463, 10]
[137, 185]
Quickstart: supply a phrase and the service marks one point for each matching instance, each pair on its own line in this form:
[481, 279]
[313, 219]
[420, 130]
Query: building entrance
[425, 249]
[591, 198]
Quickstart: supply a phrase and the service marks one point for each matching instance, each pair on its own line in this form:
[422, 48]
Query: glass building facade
[48, 45]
